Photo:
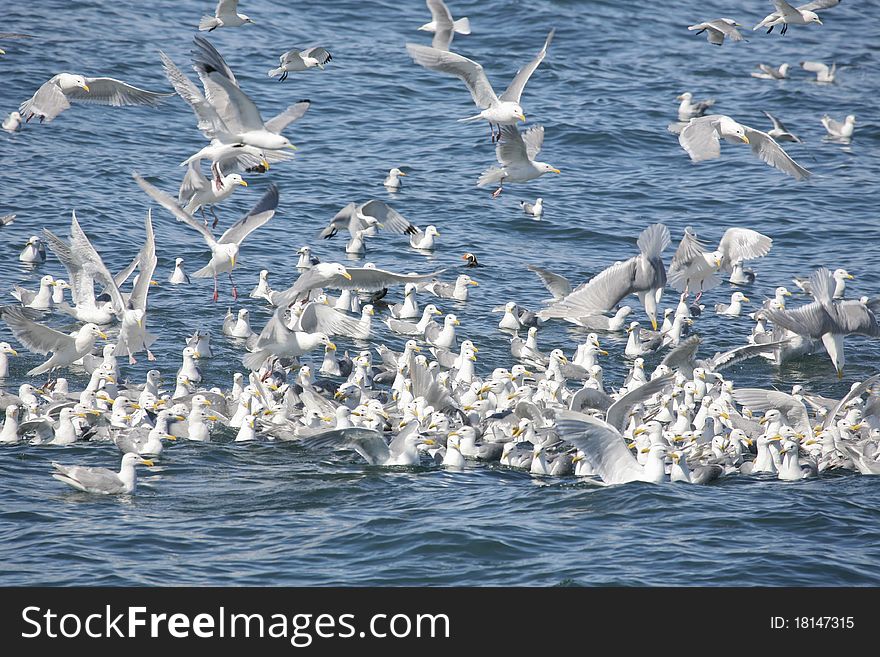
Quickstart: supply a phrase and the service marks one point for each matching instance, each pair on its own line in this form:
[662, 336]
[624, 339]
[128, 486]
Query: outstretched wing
[390, 218]
[110, 91]
[700, 139]
[742, 244]
[514, 91]
[262, 212]
[38, 338]
[168, 203]
[293, 113]
[469, 71]
[770, 152]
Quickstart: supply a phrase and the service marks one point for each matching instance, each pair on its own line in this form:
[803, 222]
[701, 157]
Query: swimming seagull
[823, 73]
[779, 131]
[224, 250]
[688, 110]
[515, 152]
[54, 96]
[837, 130]
[12, 123]
[443, 26]
[644, 275]
[300, 60]
[179, 275]
[717, 29]
[497, 110]
[701, 138]
[33, 251]
[225, 15]
[827, 319]
[102, 480]
[6, 219]
[369, 217]
[787, 15]
[535, 209]
[771, 72]
[392, 180]
[133, 334]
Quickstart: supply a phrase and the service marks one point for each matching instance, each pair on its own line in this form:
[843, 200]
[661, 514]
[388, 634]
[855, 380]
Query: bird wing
[209, 122]
[727, 29]
[258, 215]
[38, 338]
[238, 111]
[815, 67]
[367, 442]
[49, 101]
[110, 91]
[759, 399]
[683, 355]
[777, 124]
[390, 218]
[788, 12]
[700, 138]
[810, 320]
[342, 219]
[469, 71]
[293, 113]
[690, 250]
[602, 445]
[208, 56]
[321, 318]
[601, 294]
[369, 279]
[82, 285]
[742, 244]
[226, 7]
[856, 317]
[91, 262]
[319, 53]
[653, 240]
[194, 181]
[511, 148]
[766, 148]
[818, 5]
[559, 286]
[534, 140]
[90, 479]
[723, 360]
[168, 203]
[618, 413]
[440, 13]
[147, 265]
[852, 394]
[514, 91]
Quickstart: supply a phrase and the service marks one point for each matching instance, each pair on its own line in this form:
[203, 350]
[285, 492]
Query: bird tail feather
[208, 23]
[462, 26]
[490, 175]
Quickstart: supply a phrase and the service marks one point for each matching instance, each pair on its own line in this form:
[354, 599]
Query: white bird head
[811, 17]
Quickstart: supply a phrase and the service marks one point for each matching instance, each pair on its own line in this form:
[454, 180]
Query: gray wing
[819, 5]
[369, 279]
[236, 109]
[469, 71]
[90, 479]
[341, 220]
[262, 212]
[854, 317]
[319, 317]
[82, 285]
[49, 101]
[209, 58]
[653, 241]
[601, 294]
[689, 250]
[390, 218]
[368, 443]
[727, 29]
[852, 394]
[602, 445]
[559, 286]
[424, 385]
[319, 53]
[109, 91]
[38, 338]
[168, 203]
[777, 124]
[770, 152]
[723, 360]
[811, 320]
[758, 399]
[147, 266]
[293, 113]
[700, 139]
[533, 138]
[815, 67]
[439, 12]
[91, 262]
[194, 181]
[684, 355]
[209, 121]
[618, 412]
[514, 91]
[511, 148]
[742, 244]
[587, 398]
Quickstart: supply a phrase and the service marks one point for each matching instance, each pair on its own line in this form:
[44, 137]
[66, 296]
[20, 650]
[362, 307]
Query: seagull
[102, 480]
[839, 130]
[779, 131]
[771, 72]
[787, 15]
[392, 181]
[644, 275]
[443, 26]
[179, 275]
[701, 138]
[41, 339]
[54, 96]
[12, 123]
[133, 334]
[424, 240]
[300, 60]
[717, 29]
[197, 192]
[368, 217]
[225, 250]
[535, 209]
[33, 251]
[823, 73]
[688, 110]
[827, 318]
[497, 110]
[225, 15]
[515, 152]
[734, 308]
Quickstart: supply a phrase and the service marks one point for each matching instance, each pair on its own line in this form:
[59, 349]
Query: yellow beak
[86, 87]
[347, 275]
[265, 164]
[243, 183]
[102, 334]
[148, 463]
[554, 170]
[472, 283]
[745, 139]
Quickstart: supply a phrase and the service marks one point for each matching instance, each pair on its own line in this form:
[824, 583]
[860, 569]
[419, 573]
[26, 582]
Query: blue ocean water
[273, 514]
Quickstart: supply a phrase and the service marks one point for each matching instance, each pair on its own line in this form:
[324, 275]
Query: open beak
[265, 164]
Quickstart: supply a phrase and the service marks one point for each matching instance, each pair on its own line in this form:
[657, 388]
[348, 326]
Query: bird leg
[234, 289]
[131, 359]
[202, 210]
[283, 77]
[771, 29]
[150, 355]
[28, 119]
[497, 192]
[701, 31]
[216, 295]
[216, 218]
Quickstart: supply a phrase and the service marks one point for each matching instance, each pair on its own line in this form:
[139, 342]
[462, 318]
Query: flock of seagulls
[547, 413]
